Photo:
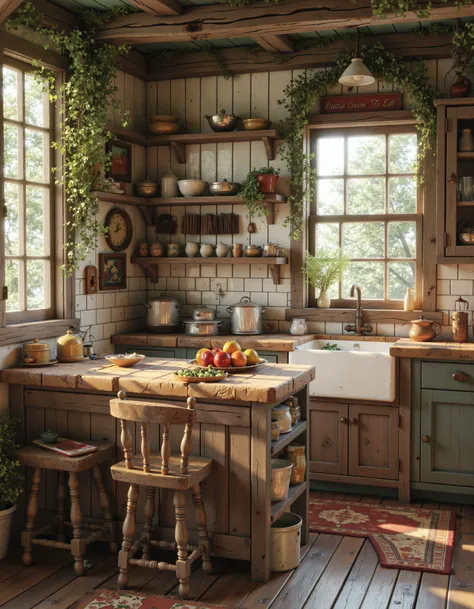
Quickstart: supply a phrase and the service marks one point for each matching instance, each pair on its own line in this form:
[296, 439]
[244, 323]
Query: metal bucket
[281, 474]
[286, 542]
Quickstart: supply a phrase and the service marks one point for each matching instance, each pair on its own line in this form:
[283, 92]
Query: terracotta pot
[424, 330]
[461, 88]
[267, 182]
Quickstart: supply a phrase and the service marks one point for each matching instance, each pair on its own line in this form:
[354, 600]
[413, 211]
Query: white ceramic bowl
[192, 188]
[123, 361]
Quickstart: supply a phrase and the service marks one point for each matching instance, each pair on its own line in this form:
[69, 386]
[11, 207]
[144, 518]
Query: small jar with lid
[70, 348]
[36, 352]
[282, 414]
[296, 454]
[169, 186]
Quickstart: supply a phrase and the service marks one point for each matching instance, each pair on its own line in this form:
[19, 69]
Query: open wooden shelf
[280, 507]
[465, 203]
[151, 264]
[278, 445]
[466, 156]
[178, 141]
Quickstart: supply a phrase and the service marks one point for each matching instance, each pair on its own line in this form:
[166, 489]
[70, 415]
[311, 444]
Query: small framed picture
[121, 168]
[112, 271]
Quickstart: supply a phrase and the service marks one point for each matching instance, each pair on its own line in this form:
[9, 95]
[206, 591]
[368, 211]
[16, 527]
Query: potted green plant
[323, 270]
[11, 481]
[258, 183]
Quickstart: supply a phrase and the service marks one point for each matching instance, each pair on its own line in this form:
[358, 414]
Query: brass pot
[424, 330]
[162, 127]
[147, 188]
[36, 352]
[255, 124]
[70, 348]
[222, 121]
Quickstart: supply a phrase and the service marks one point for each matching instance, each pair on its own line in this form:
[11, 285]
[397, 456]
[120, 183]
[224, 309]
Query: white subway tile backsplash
[172, 283]
[235, 284]
[461, 287]
[103, 316]
[186, 283]
[224, 270]
[268, 285]
[242, 270]
[278, 300]
[193, 297]
[443, 287]
[88, 318]
[446, 302]
[203, 284]
[208, 270]
[334, 327]
[118, 314]
[259, 270]
[81, 302]
[260, 298]
[109, 300]
[466, 271]
[178, 270]
[447, 271]
[253, 285]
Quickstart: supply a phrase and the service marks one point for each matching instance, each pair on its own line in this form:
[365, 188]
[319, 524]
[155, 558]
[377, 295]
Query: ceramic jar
[70, 348]
[36, 352]
[206, 250]
[275, 430]
[323, 301]
[221, 250]
[191, 249]
[143, 249]
[169, 186]
[409, 300]
[237, 250]
[298, 327]
[424, 330]
[172, 250]
[147, 188]
[156, 250]
[282, 414]
[252, 251]
[466, 141]
[296, 454]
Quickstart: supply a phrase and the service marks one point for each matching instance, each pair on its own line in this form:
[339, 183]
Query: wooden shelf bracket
[275, 273]
[180, 150]
[151, 269]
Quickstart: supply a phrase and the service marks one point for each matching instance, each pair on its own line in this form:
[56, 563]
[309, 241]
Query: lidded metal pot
[246, 317]
[162, 314]
[460, 321]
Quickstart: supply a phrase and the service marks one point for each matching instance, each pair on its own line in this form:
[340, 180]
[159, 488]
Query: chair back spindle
[187, 441]
[165, 449]
[145, 447]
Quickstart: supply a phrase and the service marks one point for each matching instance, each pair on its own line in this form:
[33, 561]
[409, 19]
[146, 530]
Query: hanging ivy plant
[84, 100]
[251, 194]
[382, 8]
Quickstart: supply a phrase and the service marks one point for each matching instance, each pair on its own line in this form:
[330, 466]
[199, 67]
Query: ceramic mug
[173, 250]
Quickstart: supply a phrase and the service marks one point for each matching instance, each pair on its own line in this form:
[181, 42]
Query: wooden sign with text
[370, 102]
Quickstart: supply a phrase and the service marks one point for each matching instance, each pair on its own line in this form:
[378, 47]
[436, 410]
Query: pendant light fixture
[357, 74]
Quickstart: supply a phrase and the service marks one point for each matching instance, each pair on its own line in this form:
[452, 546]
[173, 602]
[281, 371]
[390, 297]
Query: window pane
[36, 282]
[36, 156]
[330, 195]
[366, 154]
[402, 240]
[402, 195]
[366, 196]
[363, 239]
[11, 151]
[12, 272]
[12, 221]
[370, 277]
[37, 220]
[401, 275]
[402, 153]
[10, 94]
[327, 236]
[36, 102]
[330, 156]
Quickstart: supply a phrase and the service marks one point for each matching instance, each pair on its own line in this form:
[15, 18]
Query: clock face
[120, 230]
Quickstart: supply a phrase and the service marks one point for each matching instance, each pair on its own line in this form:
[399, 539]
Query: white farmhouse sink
[360, 370]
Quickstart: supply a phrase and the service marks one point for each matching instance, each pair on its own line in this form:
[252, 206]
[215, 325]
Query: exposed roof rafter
[275, 43]
[158, 7]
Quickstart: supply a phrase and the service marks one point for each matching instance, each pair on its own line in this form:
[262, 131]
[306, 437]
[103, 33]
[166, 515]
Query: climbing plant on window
[84, 100]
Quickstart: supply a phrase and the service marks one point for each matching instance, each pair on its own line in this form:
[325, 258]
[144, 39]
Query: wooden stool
[39, 459]
[167, 472]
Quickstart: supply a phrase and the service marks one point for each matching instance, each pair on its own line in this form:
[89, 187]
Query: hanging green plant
[84, 100]
[252, 195]
[382, 8]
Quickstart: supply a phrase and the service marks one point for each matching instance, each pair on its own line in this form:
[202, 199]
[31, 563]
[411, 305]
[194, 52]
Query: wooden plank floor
[336, 572]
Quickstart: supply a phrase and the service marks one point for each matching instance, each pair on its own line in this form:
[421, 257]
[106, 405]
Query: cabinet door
[447, 446]
[328, 438]
[373, 441]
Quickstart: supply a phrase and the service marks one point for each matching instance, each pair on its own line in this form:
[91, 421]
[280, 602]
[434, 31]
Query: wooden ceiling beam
[239, 61]
[275, 43]
[158, 7]
[287, 17]
[7, 7]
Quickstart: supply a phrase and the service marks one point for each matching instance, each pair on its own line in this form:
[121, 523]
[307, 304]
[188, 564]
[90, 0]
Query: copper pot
[424, 330]
[461, 88]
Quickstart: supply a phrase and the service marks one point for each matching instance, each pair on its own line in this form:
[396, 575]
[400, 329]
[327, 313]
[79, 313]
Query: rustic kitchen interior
[236, 328]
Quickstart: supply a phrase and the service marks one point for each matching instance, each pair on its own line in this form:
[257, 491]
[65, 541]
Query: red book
[67, 448]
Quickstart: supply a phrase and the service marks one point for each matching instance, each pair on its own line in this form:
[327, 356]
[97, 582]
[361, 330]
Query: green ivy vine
[84, 99]
[382, 8]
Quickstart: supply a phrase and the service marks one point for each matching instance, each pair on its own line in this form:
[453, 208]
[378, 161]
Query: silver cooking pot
[162, 314]
[246, 317]
[203, 314]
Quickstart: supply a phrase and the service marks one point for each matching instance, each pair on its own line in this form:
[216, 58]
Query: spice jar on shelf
[296, 454]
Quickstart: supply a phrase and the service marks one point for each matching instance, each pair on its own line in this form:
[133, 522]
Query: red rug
[403, 537]
[127, 599]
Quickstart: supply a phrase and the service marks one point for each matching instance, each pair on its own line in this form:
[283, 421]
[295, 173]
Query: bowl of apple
[230, 358]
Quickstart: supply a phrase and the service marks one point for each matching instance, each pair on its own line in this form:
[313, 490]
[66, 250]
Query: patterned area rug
[127, 599]
[403, 537]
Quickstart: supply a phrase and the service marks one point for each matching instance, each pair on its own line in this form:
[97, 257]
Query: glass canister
[296, 454]
[169, 186]
[298, 327]
[466, 141]
[282, 414]
[460, 321]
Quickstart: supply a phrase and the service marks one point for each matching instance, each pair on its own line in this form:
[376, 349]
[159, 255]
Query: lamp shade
[356, 74]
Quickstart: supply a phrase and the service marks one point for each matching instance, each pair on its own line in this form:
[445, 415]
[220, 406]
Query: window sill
[50, 328]
[380, 316]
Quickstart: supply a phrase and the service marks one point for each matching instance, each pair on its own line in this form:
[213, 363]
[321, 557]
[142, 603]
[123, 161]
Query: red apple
[222, 360]
[205, 358]
[216, 350]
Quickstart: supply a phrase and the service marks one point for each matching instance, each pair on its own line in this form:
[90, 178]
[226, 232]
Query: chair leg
[149, 512]
[61, 498]
[183, 567]
[105, 505]
[31, 513]
[200, 516]
[78, 545]
[128, 533]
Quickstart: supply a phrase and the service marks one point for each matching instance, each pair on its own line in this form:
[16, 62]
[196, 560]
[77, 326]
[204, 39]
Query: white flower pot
[6, 517]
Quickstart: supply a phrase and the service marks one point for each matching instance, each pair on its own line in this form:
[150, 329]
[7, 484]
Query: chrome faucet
[358, 327]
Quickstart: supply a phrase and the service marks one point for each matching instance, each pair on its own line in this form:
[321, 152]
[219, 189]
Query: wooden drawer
[458, 377]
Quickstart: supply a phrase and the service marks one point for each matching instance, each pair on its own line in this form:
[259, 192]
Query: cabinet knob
[452, 178]
[354, 421]
[461, 377]
[426, 439]
[343, 420]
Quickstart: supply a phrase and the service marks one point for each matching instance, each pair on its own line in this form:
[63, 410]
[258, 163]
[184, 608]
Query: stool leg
[105, 505]
[31, 513]
[77, 543]
[200, 516]
[61, 498]
[183, 568]
[149, 513]
[128, 533]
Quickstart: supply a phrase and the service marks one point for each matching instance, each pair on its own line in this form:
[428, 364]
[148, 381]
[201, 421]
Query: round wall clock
[120, 229]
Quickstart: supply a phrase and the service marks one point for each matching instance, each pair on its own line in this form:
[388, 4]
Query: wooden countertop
[264, 342]
[436, 350]
[154, 377]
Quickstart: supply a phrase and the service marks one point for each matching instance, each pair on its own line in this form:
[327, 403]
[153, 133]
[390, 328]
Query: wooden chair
[39, 458]
[166, 472]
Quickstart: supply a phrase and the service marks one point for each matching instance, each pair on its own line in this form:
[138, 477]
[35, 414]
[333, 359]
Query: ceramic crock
[169, 186]
[70, 348]
[424, 330]
[156, 250]
[221, 250]
[191, 249]
[173, 250]
[36, 352]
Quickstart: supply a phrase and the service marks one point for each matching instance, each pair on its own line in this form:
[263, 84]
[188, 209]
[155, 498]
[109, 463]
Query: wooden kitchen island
[233, 428]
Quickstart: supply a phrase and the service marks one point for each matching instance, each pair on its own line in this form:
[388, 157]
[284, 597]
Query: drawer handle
[426, 439]
[354, 421]
[343, 420]
[461, 377]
